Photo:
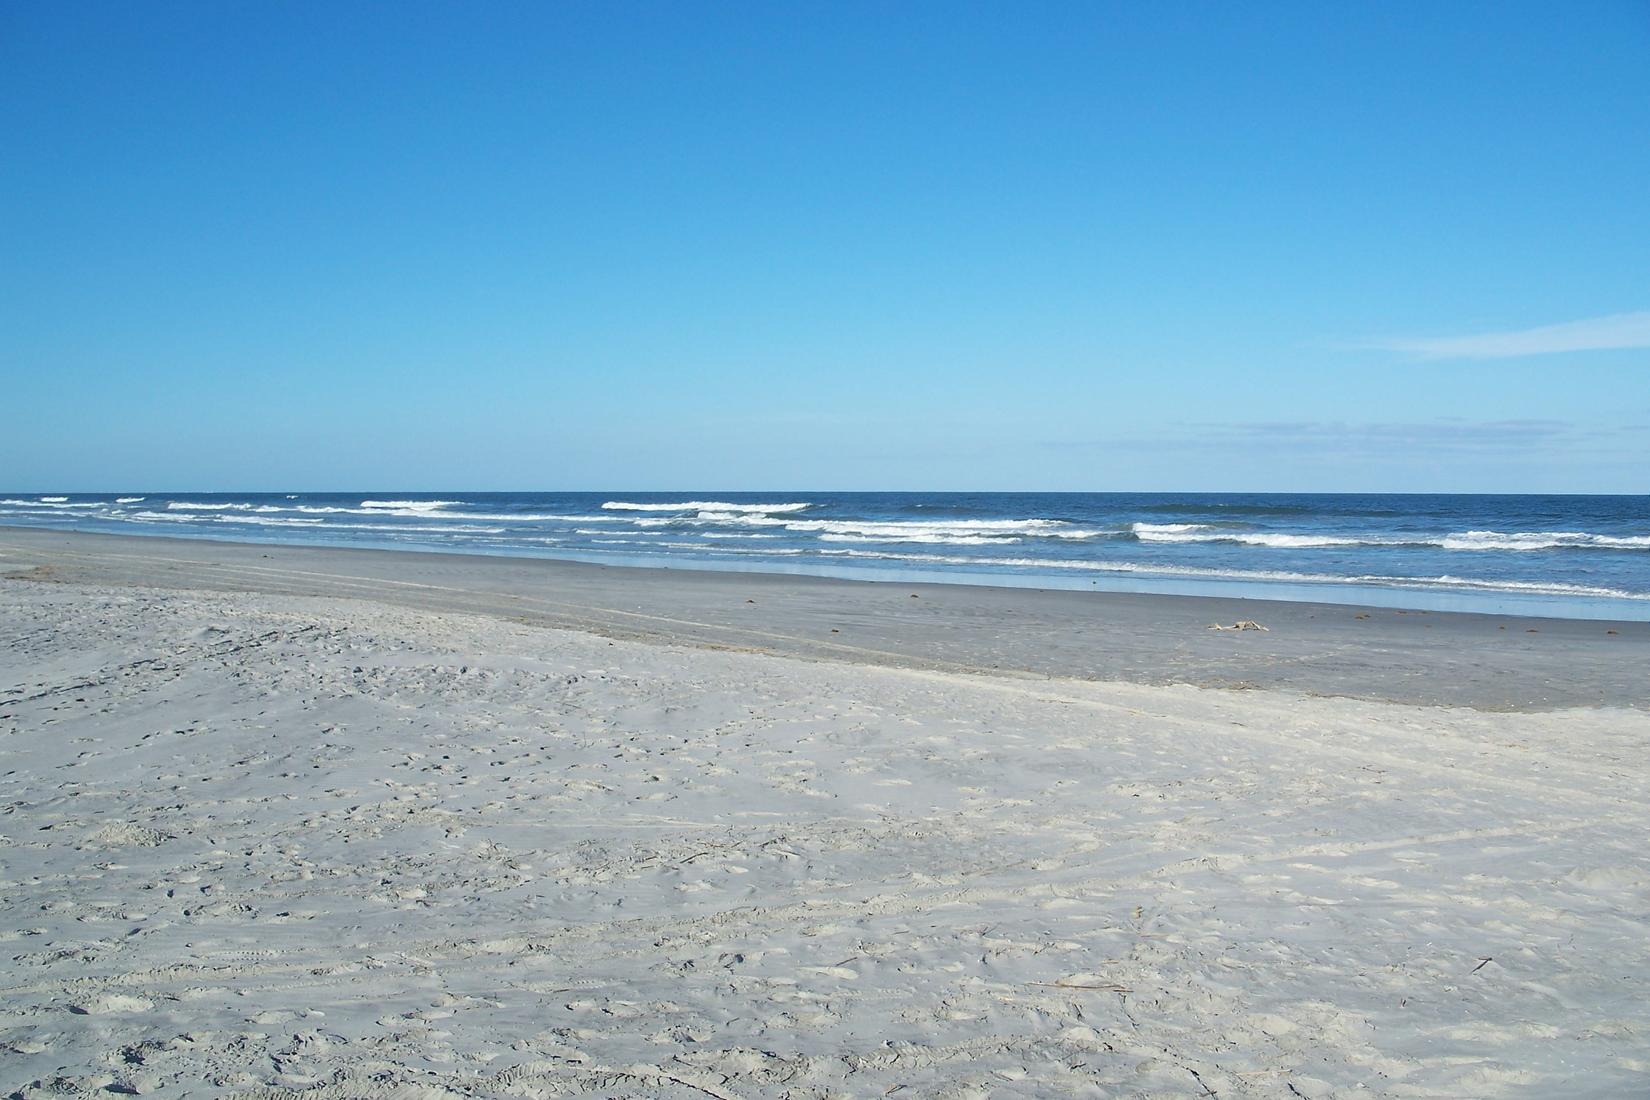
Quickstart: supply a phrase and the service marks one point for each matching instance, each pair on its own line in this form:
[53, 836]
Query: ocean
[1585, 556]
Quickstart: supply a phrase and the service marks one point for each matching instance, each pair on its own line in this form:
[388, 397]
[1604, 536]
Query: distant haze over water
[1554, 555]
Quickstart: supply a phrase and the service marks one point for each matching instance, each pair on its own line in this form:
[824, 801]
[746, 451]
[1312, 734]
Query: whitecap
[704, 506]
[1541, 540]
[889, 530]
[1200, 532]
[931, 538]
[412, 505]
[167, 517]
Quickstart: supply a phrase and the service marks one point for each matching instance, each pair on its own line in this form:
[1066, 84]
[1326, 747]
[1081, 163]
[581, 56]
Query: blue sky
[1355, 247]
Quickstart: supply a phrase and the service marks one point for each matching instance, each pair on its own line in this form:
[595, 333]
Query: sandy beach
[345, 823]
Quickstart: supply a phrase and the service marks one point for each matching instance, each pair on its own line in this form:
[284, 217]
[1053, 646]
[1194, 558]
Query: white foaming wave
[1052, 528]
[1288, 541]
[380, 508]
[935, 539]
[1176, 532]
[1547, 588]
[240, 506]
[307, 523]
[497, 517]
[535, 517]
[312, 524]
[705, 506]
[338, 510]
[1461, 540]
[526, 517]
[129, 500]
[1541, 540]
[893, 530]
[54, 505]
[916, 530]
[271, 521]
[435, 513]
[412, 505]
[1199, 532]
[896, 531]
[167, 517]
[42, 514]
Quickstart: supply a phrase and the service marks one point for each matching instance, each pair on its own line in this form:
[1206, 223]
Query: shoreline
[1191, 556]
[1467, 659]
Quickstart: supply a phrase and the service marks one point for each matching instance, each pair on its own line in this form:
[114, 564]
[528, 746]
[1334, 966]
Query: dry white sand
[274, 846]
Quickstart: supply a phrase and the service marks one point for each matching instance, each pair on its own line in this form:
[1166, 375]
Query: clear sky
[1317, 246]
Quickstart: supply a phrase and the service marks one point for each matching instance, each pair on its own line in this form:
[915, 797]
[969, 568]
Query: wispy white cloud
[1617, 331]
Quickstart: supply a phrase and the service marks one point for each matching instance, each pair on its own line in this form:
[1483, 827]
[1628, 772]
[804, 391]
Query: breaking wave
[704, 506]
[412, 505]
[1463, 540]
[1555, 547]
[1542, 540]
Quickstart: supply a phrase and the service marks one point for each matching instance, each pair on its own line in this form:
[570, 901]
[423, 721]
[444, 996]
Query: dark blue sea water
[1559, 555]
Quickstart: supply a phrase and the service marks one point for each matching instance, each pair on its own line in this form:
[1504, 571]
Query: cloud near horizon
[1616, 332]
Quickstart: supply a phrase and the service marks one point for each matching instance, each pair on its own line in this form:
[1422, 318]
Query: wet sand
[1443, 658]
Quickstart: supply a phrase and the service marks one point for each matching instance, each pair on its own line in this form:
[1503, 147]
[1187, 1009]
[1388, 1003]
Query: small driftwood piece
[1241, 624]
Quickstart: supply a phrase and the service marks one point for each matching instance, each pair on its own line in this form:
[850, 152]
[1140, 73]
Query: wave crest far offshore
[702, 506]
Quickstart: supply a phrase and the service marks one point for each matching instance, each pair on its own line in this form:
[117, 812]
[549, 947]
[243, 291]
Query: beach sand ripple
[270, 846]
